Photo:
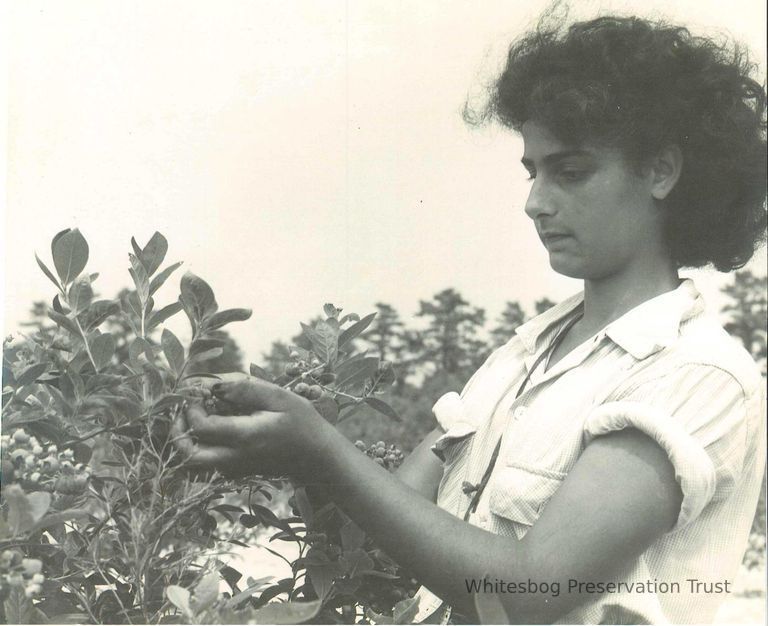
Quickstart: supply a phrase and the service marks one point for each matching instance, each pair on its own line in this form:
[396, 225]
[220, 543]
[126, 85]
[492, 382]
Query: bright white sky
[293, 153]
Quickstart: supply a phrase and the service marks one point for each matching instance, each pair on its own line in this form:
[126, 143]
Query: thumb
[254, 394]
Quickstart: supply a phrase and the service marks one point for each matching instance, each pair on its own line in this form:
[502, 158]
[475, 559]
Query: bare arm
[619, 498]
[422, 470]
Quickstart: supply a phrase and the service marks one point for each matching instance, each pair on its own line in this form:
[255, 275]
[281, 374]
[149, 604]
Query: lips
[552, 236]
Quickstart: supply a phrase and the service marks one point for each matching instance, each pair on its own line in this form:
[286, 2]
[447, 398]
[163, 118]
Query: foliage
[102, 521]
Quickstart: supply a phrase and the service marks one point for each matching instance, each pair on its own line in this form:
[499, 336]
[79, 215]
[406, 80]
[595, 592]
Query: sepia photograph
[383, 312]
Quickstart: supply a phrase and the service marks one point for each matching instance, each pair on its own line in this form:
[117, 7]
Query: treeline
[454, 339]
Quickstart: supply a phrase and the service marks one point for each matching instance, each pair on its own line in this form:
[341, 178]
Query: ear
[665, 171]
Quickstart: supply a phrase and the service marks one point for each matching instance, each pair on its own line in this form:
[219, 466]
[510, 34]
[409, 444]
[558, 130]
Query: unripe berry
[379, 461]
[32, 590]
[35, 477]
[15, 579]
[327, 378]
[315, 362]
[294, 355]
[360, 445]
[52, 449]
[32, 566]
[293, 370]
[315, 392]
[20, 436]
[302, 389]
[68, 454]
[38, 579]
[29, 461]
[37, 450]
[380, 444]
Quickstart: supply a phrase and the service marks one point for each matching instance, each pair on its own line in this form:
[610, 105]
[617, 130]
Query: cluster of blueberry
[25, 460]
[309, 374]
[389, 457]
[16, 571]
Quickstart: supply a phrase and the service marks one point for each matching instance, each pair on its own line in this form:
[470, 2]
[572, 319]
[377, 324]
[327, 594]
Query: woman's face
[594, 214]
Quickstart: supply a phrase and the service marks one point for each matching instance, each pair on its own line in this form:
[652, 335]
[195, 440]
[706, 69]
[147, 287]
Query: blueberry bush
[101, 519]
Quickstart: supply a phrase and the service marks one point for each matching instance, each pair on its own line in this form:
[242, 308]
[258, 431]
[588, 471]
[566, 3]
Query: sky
[292, 153]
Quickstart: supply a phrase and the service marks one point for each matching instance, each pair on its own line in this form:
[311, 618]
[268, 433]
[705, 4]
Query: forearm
[421, 470]
[439, 549]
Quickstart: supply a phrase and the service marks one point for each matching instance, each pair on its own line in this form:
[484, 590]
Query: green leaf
[321, 572]
[154, 382]
[179, 597]
[328, 408]
[198, 295]
[286, 612]
[65, 322]
[154, 252]
[138, 348]
[356, 371]
[163, 314]
[304, 505]
[158, 280]
[353, 331]
[382, 407]
[70, 254]
[260, 372]
[201, 345]
[18, 608]
[331, 310]
[206, 592]
[31, 374]
[103, 349]
[489, 609]
[405, 610]
[140, 278]
[356, 562]
[208, 354]
[217, 320]
[173, 351]
[39, 503]
[101, 310]
[80, 294]
[352, 536]
[47, 272]
[325, 340]
[24, 511]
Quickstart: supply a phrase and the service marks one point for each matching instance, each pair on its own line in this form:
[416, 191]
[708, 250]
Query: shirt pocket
[519, 493]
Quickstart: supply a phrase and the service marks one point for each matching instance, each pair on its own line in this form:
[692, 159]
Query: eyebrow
[555, 157]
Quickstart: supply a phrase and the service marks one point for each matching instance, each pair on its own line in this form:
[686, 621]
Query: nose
[539, 202]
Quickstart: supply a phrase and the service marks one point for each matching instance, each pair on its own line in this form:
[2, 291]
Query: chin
[569, 268]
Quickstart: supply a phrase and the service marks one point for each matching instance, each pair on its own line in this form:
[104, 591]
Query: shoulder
[705, 345]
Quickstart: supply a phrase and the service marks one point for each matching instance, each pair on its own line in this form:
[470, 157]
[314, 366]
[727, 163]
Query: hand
[275, 434]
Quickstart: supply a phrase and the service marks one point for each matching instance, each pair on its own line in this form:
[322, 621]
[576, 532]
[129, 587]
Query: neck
[607, 299]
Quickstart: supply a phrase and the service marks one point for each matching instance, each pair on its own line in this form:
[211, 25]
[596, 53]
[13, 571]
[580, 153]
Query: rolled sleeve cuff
[694, 470]
[451, 415]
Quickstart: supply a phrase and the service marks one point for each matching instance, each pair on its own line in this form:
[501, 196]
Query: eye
[572, 175]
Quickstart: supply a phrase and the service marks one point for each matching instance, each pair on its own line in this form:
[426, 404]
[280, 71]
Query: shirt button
[519, 412]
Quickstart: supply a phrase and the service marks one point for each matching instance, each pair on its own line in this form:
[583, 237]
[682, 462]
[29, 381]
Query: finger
[212, 429]
[222, 458]
[255, 394]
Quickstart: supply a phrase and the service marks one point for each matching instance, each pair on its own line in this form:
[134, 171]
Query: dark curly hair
[640, 85]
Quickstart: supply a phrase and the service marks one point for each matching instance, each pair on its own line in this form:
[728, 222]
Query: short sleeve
[697, 414]
[451, 413]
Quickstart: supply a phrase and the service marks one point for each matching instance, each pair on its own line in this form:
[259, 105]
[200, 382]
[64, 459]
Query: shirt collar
[648, 328]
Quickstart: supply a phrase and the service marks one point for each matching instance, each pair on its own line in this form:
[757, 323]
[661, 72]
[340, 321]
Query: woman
[607, 460]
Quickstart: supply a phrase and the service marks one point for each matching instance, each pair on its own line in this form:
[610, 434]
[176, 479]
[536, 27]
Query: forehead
[539, 142]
